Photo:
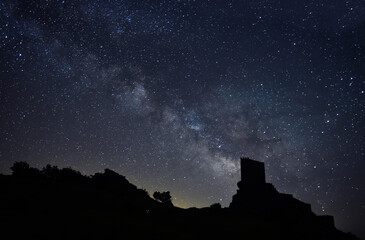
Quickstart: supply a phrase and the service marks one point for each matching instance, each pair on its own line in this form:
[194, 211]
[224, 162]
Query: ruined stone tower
[256, 196]
[252, 172]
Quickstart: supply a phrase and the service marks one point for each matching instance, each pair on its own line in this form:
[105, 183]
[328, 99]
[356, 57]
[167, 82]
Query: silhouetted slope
[62, 204]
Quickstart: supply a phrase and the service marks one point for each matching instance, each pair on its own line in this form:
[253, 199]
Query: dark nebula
[171, 94]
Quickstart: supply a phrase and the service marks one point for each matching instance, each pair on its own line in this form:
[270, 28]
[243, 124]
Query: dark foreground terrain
[63, 204]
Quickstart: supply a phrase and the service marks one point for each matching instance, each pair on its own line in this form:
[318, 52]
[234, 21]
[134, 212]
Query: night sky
[171, 94]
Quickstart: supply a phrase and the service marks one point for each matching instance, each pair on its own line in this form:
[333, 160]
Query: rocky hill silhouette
[55, 203]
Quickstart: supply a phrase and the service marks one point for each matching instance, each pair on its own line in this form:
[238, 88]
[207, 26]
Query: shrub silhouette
[64, 174]
[70, 174]
[163, 197]
[22, 169]
[50, 171]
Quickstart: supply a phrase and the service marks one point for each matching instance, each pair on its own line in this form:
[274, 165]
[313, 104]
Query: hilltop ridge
[55, 203]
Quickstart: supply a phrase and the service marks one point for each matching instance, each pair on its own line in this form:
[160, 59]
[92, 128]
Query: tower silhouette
[256, 196]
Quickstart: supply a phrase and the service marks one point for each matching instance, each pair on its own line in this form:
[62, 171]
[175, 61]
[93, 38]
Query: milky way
[172, 93]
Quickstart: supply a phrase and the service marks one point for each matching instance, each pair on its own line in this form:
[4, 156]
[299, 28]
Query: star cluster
[172, 93]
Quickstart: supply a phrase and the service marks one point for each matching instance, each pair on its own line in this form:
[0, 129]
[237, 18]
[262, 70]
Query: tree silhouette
[22, 169]
[163, 197]
[50, 171]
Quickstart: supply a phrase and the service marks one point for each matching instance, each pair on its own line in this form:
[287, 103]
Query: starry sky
[171, 94]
